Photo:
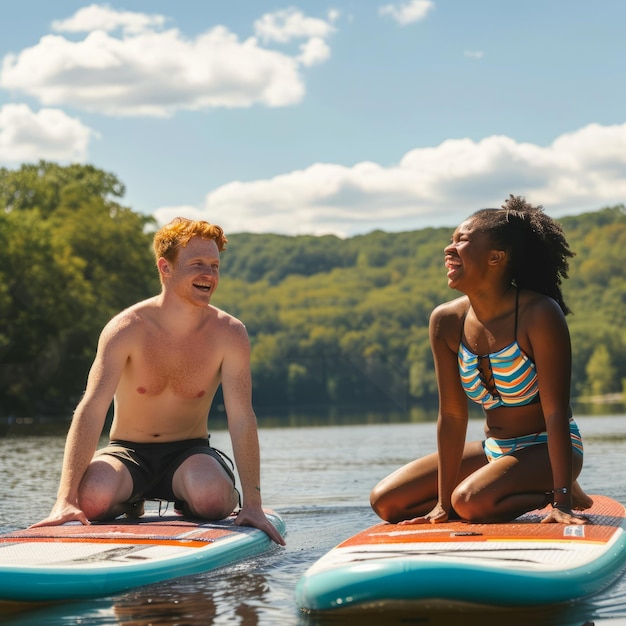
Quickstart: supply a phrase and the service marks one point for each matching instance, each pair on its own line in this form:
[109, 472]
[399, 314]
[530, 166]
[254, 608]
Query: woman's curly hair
[536, 245]
[169, 239]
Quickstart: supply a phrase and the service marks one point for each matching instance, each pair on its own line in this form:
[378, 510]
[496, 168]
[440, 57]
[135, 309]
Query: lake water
[318, 478]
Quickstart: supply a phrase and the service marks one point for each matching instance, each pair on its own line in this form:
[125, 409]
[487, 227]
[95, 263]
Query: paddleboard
[460, 565]
[73, 561]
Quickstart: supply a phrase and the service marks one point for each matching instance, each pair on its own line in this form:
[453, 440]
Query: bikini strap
[463, 326]
[516, 306]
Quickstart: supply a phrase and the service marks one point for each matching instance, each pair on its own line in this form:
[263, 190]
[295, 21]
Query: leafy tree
[70, 258]
[36, 306]
[600, 372]
[42, 186]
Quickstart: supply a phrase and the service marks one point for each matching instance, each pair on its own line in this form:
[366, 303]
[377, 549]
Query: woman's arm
[445, 333]
[549, 339]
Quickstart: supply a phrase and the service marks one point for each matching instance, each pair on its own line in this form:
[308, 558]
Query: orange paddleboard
[523, 562]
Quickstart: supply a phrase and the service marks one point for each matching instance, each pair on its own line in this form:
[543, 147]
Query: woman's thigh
[508, 486]
[528, 469]
[417, 481]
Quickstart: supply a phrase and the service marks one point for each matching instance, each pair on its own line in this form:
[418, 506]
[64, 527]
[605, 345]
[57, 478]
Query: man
[161, 362]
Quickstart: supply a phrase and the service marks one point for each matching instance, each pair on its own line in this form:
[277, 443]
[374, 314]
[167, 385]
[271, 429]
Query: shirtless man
[161, 362]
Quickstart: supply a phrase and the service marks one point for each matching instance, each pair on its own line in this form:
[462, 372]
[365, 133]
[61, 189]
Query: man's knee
[206, 488]
[103, 488]
[212, 504]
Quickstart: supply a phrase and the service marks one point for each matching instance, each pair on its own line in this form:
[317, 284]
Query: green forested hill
[338, 321]
[343, 321]
[333, 322]
[596, 292]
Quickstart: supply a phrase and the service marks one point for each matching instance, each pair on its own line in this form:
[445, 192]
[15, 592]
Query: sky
[309, 117]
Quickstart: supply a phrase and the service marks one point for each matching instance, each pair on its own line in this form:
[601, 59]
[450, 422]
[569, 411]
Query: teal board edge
[428, 578]
[50, 583]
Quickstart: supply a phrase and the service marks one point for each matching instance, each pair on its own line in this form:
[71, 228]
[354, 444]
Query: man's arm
[242, 425]
[87, 424]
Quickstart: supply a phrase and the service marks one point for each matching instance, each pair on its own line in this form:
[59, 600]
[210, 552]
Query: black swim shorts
[152, 465]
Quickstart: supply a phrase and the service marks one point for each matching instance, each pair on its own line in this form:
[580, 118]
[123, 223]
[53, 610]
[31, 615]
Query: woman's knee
[383, 503]
[468, 504]
[377, 502]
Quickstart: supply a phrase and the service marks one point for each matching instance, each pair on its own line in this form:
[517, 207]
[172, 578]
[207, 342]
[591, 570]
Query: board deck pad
[523, 562]
[75, 561]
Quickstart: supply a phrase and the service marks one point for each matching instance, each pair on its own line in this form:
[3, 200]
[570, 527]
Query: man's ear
[164, 267]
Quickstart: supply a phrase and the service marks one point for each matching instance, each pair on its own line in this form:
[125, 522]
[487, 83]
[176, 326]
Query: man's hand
[256, 518]
[61, 513]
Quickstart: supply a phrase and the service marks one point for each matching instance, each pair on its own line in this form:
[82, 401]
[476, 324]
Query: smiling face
[194, 274]
[469, 256]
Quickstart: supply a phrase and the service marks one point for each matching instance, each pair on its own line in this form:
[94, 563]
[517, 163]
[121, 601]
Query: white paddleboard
[74, 561]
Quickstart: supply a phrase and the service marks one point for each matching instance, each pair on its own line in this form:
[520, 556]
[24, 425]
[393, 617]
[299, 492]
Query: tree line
[333, 323]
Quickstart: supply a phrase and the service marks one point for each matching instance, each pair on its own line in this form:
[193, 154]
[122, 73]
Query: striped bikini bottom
[495, 448]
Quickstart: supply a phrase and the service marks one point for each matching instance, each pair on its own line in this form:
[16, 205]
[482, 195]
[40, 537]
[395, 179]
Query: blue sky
[314, 117]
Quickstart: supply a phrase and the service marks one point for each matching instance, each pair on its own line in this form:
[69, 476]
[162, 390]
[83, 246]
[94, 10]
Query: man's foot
[134, 510]
[580, 500]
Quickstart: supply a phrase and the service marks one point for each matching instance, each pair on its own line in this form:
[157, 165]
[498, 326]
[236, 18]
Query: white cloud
[48, 134]
[97, 17]
[149, 72]
[474, 54]
[407, 13]
[313, 52]
[437, 186]
[288, 24]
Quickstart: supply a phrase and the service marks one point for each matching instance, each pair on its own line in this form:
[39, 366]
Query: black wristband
[564, 508]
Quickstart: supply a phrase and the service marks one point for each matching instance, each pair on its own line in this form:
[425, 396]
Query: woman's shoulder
[452, 310]
[536, 307]
[446, 320]
[541, 322]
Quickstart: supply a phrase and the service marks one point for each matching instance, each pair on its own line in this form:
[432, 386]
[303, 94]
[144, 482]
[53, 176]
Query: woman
[505, 345]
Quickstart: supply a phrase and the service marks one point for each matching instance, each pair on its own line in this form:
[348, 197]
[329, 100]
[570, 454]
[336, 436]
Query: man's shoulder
[230, 330]
[222, 317]
[132, 317]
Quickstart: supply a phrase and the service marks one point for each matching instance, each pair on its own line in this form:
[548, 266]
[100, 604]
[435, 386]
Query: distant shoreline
[607, 398]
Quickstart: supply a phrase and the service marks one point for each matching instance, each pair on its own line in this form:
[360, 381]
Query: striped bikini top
[513, 376]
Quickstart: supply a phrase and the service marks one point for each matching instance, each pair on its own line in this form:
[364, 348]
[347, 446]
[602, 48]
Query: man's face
[194, 275]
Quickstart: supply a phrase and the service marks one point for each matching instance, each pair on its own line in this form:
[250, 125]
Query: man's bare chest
[189, 369]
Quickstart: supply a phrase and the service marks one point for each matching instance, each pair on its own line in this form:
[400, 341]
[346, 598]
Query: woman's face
[467, 255]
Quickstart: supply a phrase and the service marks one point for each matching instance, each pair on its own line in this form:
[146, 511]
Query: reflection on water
[236, 600]
[189, 608]
[318, 477]
[545, 616]
[197, 601]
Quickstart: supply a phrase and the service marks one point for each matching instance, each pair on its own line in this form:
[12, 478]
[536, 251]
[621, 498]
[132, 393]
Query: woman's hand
[563, 515]
[436, 516]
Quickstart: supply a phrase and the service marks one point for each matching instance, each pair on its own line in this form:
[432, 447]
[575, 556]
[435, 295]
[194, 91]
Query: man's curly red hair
[177, 233]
